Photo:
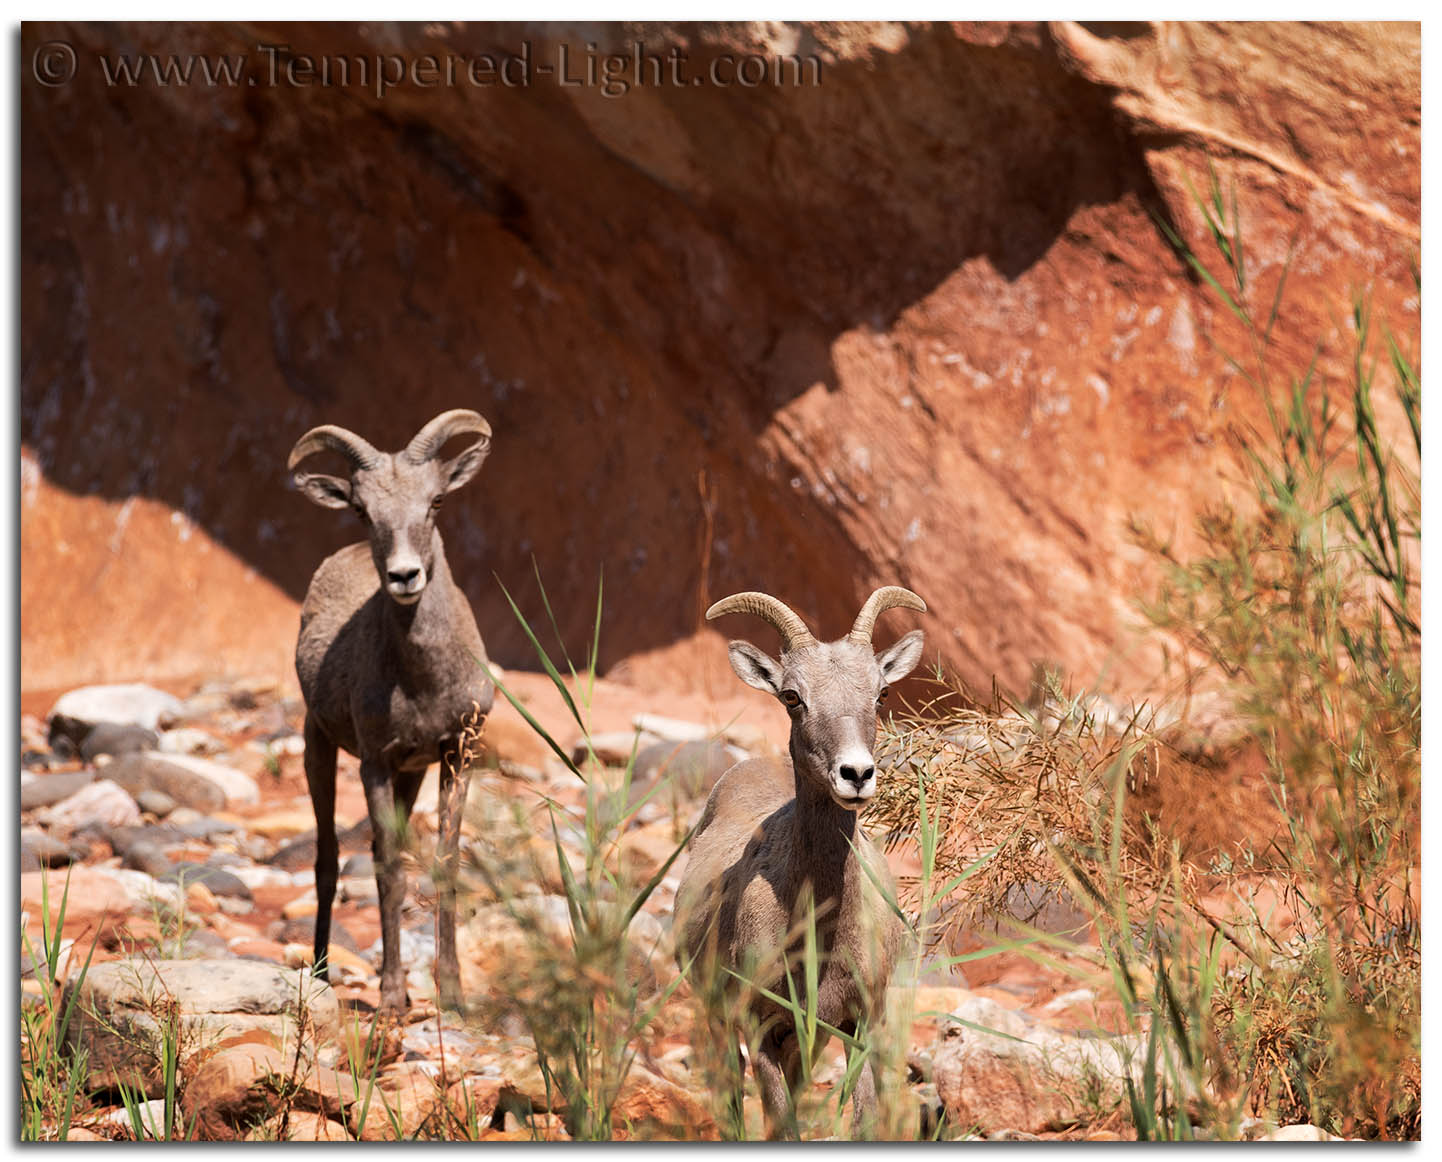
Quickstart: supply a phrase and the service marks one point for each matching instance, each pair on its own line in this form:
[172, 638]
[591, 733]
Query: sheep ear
[326, 491]
[900, 658]
[458, 471]
[754, 667]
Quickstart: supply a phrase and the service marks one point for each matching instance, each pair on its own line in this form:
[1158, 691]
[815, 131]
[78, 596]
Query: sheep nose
[857, 776]
[403, 576]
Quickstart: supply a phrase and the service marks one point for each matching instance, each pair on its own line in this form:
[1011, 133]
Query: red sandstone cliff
[914, 324]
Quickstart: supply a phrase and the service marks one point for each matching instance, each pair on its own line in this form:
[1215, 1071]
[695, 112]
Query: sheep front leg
[320, 779]
[454, 781]
[390, 880]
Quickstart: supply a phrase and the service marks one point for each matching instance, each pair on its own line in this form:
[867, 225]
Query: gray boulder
[299, 853]
[145, 855]
[218, 880]
[301, 930]
[692, 767]
[150, 772]
[46, 851]
[47, 790]
[115, 738]
[156, 803]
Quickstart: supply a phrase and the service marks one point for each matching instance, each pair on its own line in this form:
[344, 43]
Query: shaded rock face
[913, 324]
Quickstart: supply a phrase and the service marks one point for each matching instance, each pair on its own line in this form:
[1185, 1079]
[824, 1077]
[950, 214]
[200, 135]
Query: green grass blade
[651, 884]
[543, 657]
[533, 724]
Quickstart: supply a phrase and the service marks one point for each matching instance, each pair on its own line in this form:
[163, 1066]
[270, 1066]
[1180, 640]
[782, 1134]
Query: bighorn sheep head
[831, 690]
[396, 495]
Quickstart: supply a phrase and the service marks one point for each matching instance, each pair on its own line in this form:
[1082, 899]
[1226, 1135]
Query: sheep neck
[825, 832]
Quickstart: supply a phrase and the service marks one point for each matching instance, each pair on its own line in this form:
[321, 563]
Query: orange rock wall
[914, 324]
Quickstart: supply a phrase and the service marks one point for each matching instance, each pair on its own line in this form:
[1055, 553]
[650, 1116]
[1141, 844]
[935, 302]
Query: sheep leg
[777, 1065]
[390, 880]
[863, 1104]
[863, 1097]
[454, 781]
[320, 754]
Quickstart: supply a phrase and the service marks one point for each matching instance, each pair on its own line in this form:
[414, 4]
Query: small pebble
[156, 803]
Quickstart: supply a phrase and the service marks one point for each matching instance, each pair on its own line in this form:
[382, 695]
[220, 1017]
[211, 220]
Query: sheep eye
[791, 698]
[436, 503]
[885, 690]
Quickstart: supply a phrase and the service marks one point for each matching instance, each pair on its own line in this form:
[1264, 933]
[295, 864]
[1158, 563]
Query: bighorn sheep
[391, 666]
[775, 834]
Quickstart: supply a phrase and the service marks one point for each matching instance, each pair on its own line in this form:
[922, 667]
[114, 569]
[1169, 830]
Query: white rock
[418, 950]
[672, 729]
[357, 889]
[118, 1006]
[145, 889]
[420, 984]
[1300, 1133]
[745, 737]
[1001, 1068]
[1067, 1000]
[127, 704]
[291, 744]
[261, 876]
[189, 740]
[152, 1118]
[102, 803]
[237, 786]
[612, 747]
[647, 931]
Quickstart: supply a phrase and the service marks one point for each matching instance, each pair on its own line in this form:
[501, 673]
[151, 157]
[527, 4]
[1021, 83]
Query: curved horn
[887, 597]
[793, 630]
[427, 442]
[330, 438]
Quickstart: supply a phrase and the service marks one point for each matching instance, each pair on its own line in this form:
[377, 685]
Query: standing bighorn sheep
[776, 835]
[391, 666]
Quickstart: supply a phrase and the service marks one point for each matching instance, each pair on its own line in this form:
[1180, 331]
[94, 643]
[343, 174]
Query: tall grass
[51, 1070]
[1275, 975]
[1304, 599]
[586, 1000]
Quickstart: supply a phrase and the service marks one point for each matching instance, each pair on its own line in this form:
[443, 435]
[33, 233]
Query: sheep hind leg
[320, 755]
[777, 1062]
[454, 781]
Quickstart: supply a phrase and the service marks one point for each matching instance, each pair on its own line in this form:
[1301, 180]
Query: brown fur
[393, 684]
[776, 833]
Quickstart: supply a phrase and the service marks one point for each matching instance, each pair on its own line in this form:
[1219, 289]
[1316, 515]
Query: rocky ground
[183, 829]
